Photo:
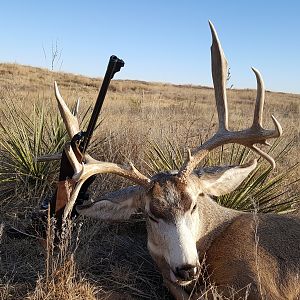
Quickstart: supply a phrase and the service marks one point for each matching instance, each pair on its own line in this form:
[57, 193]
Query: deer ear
[115, 206]
[219, 181]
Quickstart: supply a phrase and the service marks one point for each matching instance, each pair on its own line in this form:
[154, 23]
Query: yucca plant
[23, 138]
[165, 158]
[262, 190]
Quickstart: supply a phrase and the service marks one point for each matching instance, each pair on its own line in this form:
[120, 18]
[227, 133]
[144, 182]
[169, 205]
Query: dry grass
[116, 265]
[64, 285]
[61, 279]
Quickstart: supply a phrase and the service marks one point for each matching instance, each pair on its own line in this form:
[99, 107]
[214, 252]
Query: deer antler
[70, 120]
[256, 134]
[91, 167]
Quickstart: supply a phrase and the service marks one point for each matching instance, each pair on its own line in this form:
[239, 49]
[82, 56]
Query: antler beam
[91, 167]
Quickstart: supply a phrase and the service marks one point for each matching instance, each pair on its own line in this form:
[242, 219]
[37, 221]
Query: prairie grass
[116, 265]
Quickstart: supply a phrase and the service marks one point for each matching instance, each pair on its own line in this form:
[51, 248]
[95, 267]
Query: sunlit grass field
[104, 261]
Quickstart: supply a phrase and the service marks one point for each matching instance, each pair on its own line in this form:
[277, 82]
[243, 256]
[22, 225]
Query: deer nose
[187, 272]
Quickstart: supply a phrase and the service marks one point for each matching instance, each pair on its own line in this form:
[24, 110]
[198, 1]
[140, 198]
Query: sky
[160, 41]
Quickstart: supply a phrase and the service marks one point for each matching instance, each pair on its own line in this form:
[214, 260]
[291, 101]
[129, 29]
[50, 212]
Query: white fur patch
[175, 242]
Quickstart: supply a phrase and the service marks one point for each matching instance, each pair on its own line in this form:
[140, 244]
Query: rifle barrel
[114, 66]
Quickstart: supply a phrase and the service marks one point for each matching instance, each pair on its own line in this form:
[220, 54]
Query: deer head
[176, 203]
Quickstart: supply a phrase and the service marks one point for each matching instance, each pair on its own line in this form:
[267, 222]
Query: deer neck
[214, 220]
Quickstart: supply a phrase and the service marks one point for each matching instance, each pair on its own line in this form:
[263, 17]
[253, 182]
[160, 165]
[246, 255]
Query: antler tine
[99, 167]
[76, 165]
[258, 112]
[219, 74]
[70, 121]
[259, 106]
[260, 100]
[264, 155]
[70, 204]
[278, 129]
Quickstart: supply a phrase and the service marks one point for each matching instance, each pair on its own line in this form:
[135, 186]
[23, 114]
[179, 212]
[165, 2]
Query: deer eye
[152, 219]
[194, 208]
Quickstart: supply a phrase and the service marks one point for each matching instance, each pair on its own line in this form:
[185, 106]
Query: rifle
[79, 143]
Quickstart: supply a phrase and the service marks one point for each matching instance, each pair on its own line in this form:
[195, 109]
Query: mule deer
[258, 253]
